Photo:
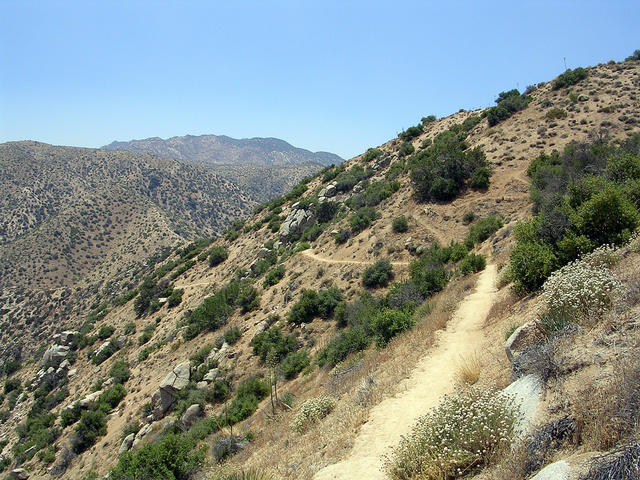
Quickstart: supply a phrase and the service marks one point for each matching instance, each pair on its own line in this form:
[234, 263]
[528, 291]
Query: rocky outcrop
[54, 355]
[19, 474]
[525, 393]
[522, 337]
[175, 381]
[297, 221]
[555, 471]
[191, 415]
[151, 431]
[126, 443]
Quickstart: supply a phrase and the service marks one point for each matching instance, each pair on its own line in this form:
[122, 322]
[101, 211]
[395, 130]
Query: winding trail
[433, 377]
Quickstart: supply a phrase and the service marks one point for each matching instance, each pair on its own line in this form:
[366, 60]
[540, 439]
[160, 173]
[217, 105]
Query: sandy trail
[433, 377]
[310, 254]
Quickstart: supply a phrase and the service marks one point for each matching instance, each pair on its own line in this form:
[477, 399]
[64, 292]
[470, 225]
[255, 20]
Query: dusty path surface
[310, 254]
[433, 377]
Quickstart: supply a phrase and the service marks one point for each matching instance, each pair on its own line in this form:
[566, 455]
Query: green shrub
[480, 178]
[406, 149]
[441, 171]
[129, 328]
[459, 437]
[111, 397]
[469, 217]
[373, 194]
[410, 133]
[248, 396]
[11, 385]
[105, 331]
[371, 154]
[294, 363]
[378, 275]
[175, 298]
[472, 263]
[312, 304]
[351, 340]
[249, 299]
[508, 103]
[92, 425]
[232, 335]
[119, 371]
[219, 392]
[105, 353]
[429, 274]
[482, 230]
[274, 343]
[273, 276]
[173, 457]
[570, 77]
[400, 224]
[361, 219]
[389, 323]
[530, 264]
[147, 333]
[69, 417]
[342, 236]
[556, 113]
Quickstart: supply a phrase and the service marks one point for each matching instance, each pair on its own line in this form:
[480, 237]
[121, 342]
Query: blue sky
[339, 76]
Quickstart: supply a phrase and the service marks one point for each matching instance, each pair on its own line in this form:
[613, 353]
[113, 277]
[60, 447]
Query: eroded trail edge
[433, 377]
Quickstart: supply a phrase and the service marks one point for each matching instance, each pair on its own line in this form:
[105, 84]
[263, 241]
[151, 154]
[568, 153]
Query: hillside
[223, 343]
[263, 167]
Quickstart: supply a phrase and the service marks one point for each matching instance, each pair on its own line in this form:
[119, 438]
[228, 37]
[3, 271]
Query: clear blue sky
[324, 75]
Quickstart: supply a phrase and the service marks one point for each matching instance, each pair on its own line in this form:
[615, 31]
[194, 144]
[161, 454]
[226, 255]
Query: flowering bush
[312, 411]
[464, 433]
[583, 288]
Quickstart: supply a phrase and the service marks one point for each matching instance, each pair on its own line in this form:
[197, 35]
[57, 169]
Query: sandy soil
[433, 377]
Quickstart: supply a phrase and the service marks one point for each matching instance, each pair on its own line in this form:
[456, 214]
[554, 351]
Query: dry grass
[468, 368]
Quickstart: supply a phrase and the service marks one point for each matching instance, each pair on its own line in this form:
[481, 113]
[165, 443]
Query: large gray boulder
[522, 337]
[191, 415]
[175, 381]
[54, 355]
[555, 471]
[525, 392]
[297, 221]
[127, 443]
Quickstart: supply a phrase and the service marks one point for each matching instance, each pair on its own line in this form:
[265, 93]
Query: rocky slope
[262, 167]
[257, 277]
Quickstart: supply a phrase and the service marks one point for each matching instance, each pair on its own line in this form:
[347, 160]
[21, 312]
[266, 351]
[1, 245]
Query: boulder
[525, 392]
[67, 337]
[54, 355]
[297, 221]
[211, 375]
[86, 401]
[202, 385]
[121, 341]
[126, 443]
[19, 474]
[523, 336]
[191, 415]
[175, 381]
[72, 373]
[554, 471]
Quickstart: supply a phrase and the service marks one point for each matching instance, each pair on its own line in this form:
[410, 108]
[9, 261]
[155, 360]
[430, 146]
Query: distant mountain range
[223, 150]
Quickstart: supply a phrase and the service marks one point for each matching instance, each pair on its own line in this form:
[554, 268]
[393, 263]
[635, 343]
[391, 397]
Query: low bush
[390, 323]
[378, 274]
[569, 77]
[105, 331]
[462, 435]
[227, 446]
[342, 236]
[175, 298]
[481, 230]
[119, 371]
[371, 154]
[274, 343]
[507, 104]
[312, 304]
[361, 219]
[472, 263]
[556, 113]
[248, 396]
[294, 363]
[232, 335]
[312, 411]
[273, 276]
[400, 224]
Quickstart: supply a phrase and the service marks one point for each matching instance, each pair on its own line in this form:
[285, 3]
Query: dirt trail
[310, 254]
[433, 377]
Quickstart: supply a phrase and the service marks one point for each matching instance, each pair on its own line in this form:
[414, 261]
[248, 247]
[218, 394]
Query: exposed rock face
[127, 443]
[328, 191]
[522, 337]
[211, 375]
[19, 474]
[54, 355]
[175, 381]
[296, 221]
[555, 471]
[526, 393]
[86, 401]
[191, 415]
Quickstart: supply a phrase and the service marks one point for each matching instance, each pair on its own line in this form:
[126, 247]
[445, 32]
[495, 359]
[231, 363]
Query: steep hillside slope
[223, 150]
[287, 299]
[263, 167]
